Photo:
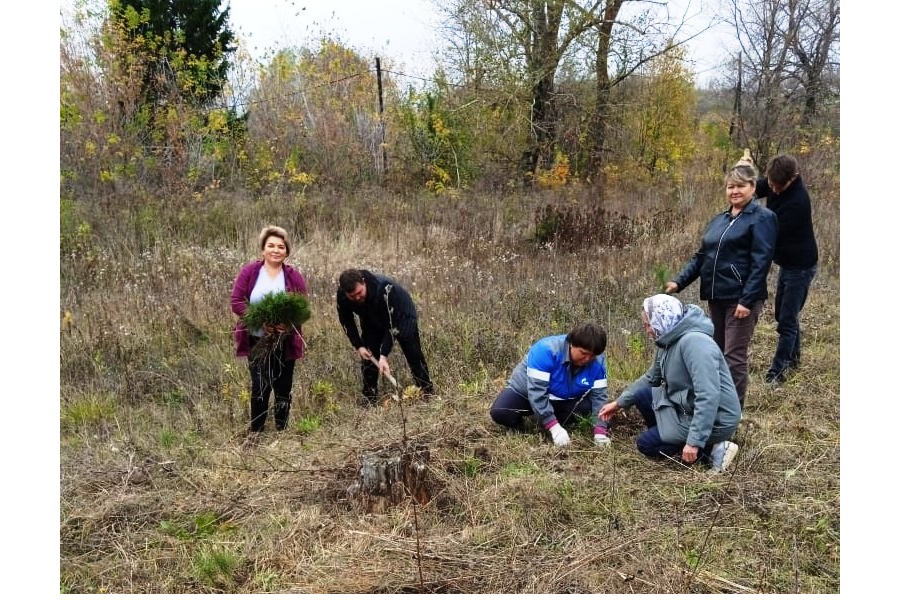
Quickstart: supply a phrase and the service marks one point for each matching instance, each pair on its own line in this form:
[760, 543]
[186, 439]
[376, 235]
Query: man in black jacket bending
[386, 311]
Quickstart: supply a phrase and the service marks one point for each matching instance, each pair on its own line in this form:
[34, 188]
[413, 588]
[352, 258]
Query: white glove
[560, 435]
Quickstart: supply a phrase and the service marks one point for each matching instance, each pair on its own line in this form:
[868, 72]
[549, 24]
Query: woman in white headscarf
[687, 397]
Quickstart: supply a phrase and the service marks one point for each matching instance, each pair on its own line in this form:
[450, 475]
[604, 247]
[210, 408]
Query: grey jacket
[694, 398]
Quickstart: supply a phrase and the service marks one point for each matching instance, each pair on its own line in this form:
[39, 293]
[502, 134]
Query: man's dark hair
[349, 279]
[781, 168]
[588, 336]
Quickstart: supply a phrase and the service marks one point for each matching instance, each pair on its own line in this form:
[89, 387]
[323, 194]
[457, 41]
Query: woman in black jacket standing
[732, 263]
[796, 254]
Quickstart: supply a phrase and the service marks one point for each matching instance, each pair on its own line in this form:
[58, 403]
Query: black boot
[282, 412]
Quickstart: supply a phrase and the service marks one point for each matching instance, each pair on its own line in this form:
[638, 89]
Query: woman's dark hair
[588, 336]
[781, 168]
[349, 278]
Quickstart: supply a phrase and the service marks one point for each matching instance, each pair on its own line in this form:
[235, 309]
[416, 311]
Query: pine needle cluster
[289, 308]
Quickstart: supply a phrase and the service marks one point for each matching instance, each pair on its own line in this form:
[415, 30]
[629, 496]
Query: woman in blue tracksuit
[732, 263]
[560, 377]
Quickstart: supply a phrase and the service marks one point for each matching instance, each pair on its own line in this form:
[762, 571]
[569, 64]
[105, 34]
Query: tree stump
[389, 475]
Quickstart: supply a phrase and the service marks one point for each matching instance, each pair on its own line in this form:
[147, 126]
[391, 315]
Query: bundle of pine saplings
[288, 308]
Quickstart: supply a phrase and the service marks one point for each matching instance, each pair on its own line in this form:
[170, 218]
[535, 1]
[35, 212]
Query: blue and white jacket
[545, 375]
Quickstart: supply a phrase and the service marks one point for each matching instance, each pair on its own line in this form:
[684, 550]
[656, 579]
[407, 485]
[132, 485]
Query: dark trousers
[790, 296]
[649, 442]
[733, 337]
[510, 407]
[270, 373]
[411, 346]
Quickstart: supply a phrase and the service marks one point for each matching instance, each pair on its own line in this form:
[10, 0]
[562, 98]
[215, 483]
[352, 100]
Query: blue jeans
[790, 296]
[648, 442]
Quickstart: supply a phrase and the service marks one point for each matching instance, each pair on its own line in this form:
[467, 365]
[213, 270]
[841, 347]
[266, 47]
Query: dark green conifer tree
[191, 42]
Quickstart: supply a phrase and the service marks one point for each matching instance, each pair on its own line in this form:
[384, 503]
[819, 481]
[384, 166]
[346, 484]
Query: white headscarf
[664, 312]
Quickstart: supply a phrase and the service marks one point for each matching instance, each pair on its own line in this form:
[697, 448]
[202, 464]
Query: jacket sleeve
[652, 378]
[240, 291]
[387, 343]
[627, 397]
[599, 391]
[691, 269]
[762, 250]
[699, 351]
[348, 322]
[762, 187]
[538, 366]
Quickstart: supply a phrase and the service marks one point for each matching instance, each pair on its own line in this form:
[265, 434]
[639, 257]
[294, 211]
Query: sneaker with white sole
[722, 456]
[601, 439]
[601, 436]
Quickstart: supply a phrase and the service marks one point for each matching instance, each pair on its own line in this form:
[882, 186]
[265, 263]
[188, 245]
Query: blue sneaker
[722, 456]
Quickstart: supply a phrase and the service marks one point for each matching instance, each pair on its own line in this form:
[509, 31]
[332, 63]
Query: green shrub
[202, 525]
[215, 567]
[282, 307]
[88, 411]
[308, 424]
[473, 466]
[167, 438]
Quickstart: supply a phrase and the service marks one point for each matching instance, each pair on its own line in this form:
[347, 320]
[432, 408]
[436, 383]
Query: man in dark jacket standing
[796, 254]
[385, 311]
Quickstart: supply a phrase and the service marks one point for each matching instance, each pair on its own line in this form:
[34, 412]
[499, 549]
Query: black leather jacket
[734, 256]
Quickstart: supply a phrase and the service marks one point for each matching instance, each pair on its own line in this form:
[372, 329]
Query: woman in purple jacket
[275, 371]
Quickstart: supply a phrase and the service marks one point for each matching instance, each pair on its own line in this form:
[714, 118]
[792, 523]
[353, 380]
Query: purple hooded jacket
[240, 297]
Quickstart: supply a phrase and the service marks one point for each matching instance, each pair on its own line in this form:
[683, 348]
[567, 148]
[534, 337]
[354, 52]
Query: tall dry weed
[157, 496]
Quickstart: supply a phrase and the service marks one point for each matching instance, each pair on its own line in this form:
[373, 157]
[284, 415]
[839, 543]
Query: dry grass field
[158, 496]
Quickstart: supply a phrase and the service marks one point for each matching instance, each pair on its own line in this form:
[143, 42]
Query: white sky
[401, 30]
[406, 31]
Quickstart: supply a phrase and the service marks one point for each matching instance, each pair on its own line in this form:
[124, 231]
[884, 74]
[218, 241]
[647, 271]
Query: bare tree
[543, 30]
[528, 39]
[765, 30]
[787, 49]
[623, 45]
[604, 84]
[814, 47]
